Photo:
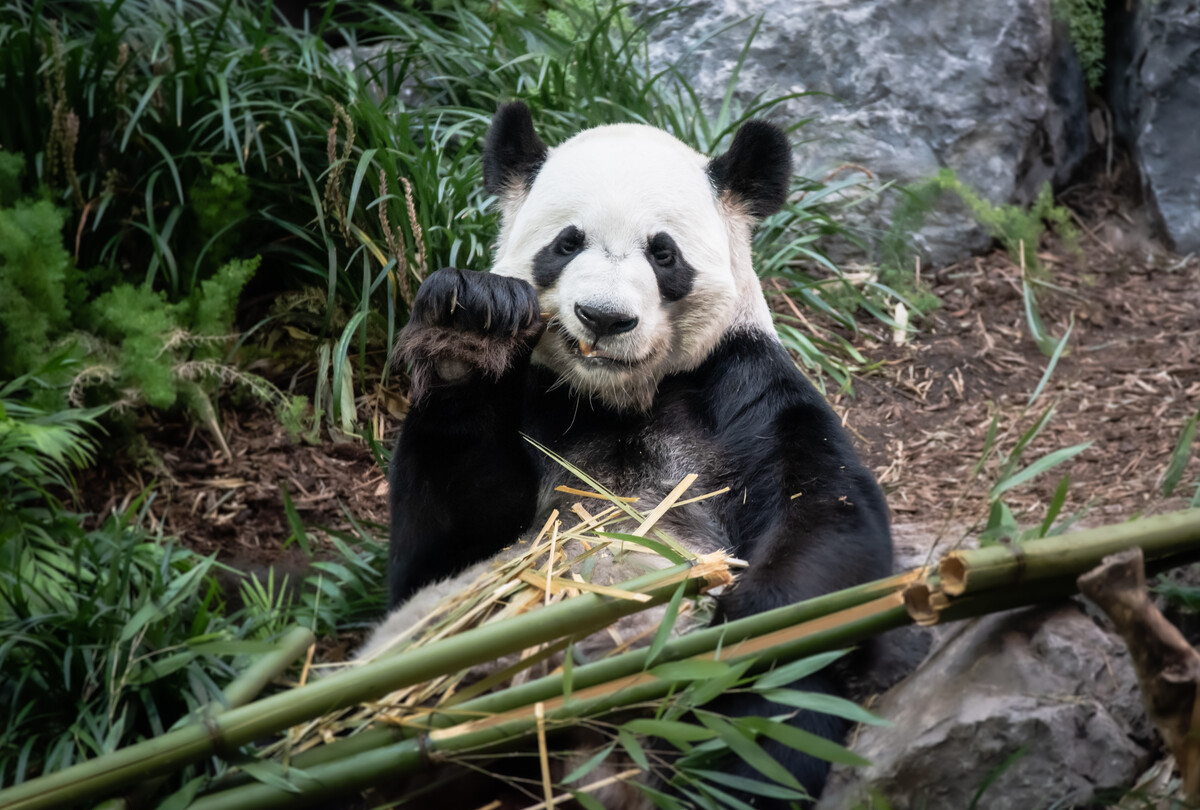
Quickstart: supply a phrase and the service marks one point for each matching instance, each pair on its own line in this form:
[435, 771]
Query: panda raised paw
[465, 323]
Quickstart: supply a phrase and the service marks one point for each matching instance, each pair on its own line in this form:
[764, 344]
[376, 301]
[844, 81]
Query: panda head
[638, 246]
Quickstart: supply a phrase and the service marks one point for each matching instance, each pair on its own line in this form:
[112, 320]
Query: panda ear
[756, 170]
[512, 152]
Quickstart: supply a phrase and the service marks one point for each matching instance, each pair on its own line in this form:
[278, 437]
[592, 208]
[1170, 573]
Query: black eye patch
[550, 261]
[675, 276]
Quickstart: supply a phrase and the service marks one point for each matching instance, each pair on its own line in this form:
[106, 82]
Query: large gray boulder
[991, 90]
[1048, 680]
[1156, 104]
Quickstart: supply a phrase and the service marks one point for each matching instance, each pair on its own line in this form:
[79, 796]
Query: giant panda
[658, 359]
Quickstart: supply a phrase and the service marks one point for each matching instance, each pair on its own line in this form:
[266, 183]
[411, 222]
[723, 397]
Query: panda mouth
[590, 354]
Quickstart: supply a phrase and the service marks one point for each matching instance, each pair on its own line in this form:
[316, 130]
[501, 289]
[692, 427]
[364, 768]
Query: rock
[1154, 65]
[992, 90]
[1045, 679]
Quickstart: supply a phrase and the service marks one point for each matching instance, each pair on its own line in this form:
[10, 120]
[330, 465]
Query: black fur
[512, 152]
[675, 276]
[756, 170]
[440, 523]
[550, 261]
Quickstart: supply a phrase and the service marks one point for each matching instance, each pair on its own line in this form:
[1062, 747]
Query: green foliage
[1017, 228]
[151, 347]
[1085, 20]
[33, 271]
[11, 168]
[136, 322]
[183, 135]
[705, 740]
[107, 635]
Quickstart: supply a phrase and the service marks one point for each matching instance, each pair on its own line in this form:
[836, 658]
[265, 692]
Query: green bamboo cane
[223, 734]
[1003, 565]
[352, 763]
[593, 693]
[249, 685]
[698, 642]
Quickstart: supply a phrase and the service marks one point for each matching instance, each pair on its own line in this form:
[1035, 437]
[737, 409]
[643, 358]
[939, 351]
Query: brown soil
[1129, 381]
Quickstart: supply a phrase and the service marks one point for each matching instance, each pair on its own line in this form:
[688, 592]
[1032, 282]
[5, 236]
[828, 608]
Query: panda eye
[569, 241]
[662, 250]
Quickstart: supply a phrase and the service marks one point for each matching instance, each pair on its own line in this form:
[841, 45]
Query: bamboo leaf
[1014, 457]
[989, 442]
[271, 773]
[294, 521]
[661, 549]
[568, 672]
[804, 741]
[715, 687]
[1046, 462]
[1180, 456]
[1056, 505]
[667, 625]
[590, 765]
[750, 785]
[634, 749]
[790, 673]
[661, 800]
[586, 801]
[725, 801]
[180, 799]
[672, 730]
[748, 750]
[824, 704]
[1058, 350]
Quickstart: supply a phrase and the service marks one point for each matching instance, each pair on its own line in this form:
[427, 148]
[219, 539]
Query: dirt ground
[1129, 381]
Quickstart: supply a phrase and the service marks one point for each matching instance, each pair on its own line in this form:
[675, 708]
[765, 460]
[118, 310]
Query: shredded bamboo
[552, 568]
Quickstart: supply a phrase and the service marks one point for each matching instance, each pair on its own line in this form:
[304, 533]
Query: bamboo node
[920, 600]
[953, 572]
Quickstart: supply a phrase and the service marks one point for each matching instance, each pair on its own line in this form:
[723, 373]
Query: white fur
[620, 185]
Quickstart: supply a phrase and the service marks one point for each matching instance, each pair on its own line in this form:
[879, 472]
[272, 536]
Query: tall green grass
[184, 134]
[110, 634]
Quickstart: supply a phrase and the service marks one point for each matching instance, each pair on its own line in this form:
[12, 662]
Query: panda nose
[605, 322]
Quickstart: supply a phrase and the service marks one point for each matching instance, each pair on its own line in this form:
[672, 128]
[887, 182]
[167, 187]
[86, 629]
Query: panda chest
[646, 460]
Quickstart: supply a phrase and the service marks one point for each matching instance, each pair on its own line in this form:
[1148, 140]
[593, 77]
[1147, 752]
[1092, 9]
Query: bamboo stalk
[331, 778]
[803, 629]
[105, 775]
[1159, 537]
[249, 685]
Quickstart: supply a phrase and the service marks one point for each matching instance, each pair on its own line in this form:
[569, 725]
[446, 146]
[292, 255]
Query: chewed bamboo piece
[554, 567]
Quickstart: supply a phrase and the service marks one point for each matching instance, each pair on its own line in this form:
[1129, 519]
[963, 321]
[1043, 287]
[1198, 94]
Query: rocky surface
[1047, 680]
[1155, 90]
[992, 90]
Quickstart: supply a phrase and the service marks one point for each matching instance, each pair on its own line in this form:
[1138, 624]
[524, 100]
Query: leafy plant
[1085, 21]
[186, 135]
[33, 272]
[1018, 229]
[107, 635]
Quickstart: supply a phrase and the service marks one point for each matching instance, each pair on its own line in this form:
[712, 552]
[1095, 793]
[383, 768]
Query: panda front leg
[463, 484]
[833, 536]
